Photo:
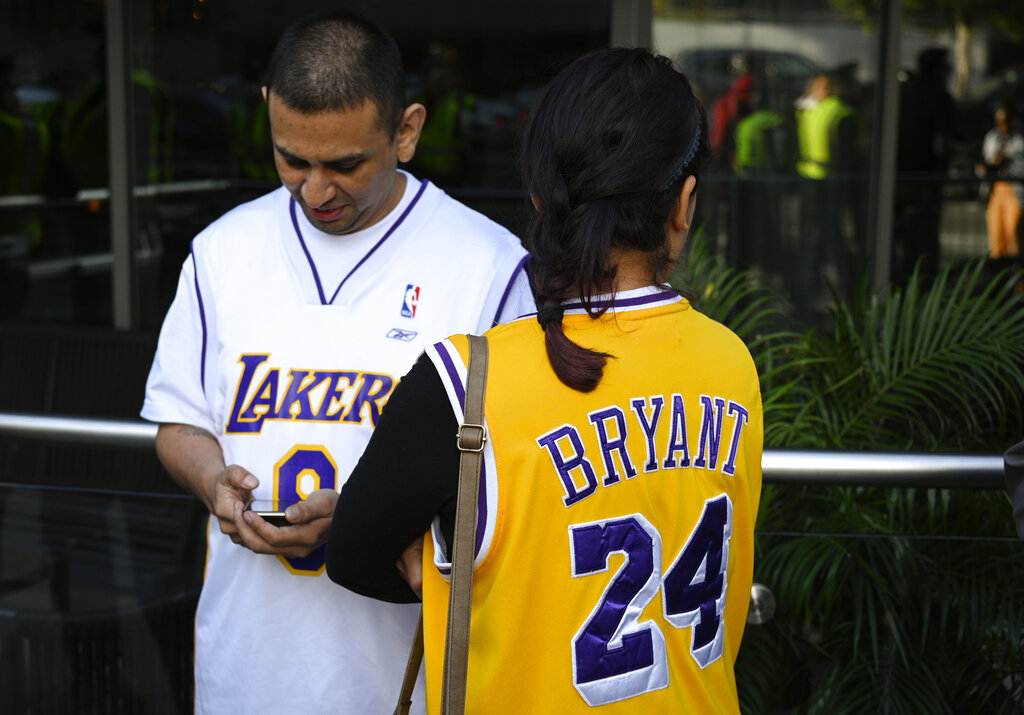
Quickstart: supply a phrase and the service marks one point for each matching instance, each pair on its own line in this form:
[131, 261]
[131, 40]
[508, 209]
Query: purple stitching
[312, 266]
[202, 314]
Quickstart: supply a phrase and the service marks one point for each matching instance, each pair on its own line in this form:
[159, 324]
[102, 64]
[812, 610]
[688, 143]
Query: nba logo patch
[411, 300]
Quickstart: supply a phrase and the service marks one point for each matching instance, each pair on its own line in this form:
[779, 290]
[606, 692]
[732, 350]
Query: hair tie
[684, 160]
[549, 313]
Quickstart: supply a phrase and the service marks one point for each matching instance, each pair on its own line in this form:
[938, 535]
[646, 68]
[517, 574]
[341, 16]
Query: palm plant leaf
[933, 364]
[733, 297]
[875, 613]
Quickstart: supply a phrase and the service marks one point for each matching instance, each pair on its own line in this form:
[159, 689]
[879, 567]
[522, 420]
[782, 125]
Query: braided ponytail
[604, 155]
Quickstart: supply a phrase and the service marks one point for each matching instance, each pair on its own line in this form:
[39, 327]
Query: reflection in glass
[789, 118]
[97, 596]
[792, 96]
[52, 233]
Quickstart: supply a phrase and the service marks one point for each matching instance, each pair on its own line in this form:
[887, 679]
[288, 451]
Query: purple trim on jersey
[666, 296]
[312, 265]
[415, 199]
[616, 304]
[460, 394]
[508, 288]
[309, 257]
[453, 374]
[481, 509]
[202, 315]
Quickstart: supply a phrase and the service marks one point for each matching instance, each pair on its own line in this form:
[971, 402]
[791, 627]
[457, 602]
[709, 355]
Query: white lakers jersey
[290, 372]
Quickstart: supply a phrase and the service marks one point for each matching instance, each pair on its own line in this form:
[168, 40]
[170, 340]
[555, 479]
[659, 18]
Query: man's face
[339, 165]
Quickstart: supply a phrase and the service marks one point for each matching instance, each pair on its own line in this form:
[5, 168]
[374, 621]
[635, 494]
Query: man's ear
[683, 214]
[409, 131]
[264, 90]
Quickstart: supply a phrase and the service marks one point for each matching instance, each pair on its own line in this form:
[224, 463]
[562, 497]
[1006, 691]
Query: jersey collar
[293, 211]
[628, 300]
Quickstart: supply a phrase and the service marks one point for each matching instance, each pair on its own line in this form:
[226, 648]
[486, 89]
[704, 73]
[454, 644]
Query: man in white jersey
[296, 314]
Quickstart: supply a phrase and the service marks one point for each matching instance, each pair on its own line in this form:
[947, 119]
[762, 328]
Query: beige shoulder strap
[412, 669]
[471, 438]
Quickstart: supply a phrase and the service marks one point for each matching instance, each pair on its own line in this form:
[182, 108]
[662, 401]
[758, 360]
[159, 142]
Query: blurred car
[712, 70]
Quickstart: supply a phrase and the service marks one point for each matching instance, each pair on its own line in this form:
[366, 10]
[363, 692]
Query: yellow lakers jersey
[615, 537]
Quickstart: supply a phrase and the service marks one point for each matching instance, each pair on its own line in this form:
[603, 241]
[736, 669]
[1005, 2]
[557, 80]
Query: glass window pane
[54, 224]
[97, 598]
[477, 67]
[792, 91]
[789, 92]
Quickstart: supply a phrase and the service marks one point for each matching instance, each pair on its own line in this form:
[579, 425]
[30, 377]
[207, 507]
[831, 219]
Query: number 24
[614, 655]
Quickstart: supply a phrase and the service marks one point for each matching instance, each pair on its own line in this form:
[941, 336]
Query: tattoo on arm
[191, 431]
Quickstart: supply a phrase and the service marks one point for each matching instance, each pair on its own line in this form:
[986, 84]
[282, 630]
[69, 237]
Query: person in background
[829, 133]
[928, 133]
[294, 316]
[728, 109]
[765, 167]
[444, 141]
[624, 429]
[1003, 153]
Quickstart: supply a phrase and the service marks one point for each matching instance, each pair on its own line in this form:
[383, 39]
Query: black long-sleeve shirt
[407, 475]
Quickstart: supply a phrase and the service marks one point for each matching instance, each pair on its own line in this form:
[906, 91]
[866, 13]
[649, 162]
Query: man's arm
[194, 459]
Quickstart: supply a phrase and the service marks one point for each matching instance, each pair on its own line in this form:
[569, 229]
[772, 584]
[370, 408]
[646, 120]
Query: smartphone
[272, 510]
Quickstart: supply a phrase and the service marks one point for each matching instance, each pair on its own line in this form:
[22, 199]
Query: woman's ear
[678, 226]
[683, 214]
[409, 131]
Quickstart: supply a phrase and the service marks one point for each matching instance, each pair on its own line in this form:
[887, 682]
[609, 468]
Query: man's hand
[309, 521]
[410, 565]
[231, 490]
[194, 458]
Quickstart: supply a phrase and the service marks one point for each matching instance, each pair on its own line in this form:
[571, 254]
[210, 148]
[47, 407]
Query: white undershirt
[336, 255]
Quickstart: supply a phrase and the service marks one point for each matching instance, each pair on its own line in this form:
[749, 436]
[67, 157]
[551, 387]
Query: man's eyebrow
[286, 154]
[348, 159]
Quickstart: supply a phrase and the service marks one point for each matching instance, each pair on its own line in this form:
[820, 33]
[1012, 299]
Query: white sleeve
[991, 146]
[510, 295]
[174, 389]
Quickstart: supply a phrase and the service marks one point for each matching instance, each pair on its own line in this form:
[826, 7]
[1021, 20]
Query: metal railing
[780, 466]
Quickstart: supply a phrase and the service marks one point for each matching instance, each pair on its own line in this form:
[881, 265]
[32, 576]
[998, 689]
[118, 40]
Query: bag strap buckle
[471, 438]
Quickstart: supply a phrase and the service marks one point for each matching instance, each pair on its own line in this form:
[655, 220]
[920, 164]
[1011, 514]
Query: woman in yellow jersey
[623, 469]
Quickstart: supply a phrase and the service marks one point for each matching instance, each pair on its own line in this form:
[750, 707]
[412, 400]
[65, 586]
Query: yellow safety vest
[751, 150]
[816, 130]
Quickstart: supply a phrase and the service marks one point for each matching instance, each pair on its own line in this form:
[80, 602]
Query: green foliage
[739, 300]
[889, 600]
[937, 367]
[930, 367]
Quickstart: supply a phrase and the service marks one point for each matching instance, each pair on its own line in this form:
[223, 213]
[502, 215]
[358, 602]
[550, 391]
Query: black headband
[684, 160]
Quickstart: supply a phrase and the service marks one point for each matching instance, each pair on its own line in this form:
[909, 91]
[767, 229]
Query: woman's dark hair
[337, 60]
[604, 156]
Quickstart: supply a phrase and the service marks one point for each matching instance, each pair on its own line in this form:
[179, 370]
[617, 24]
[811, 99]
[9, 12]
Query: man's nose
[318, 189]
